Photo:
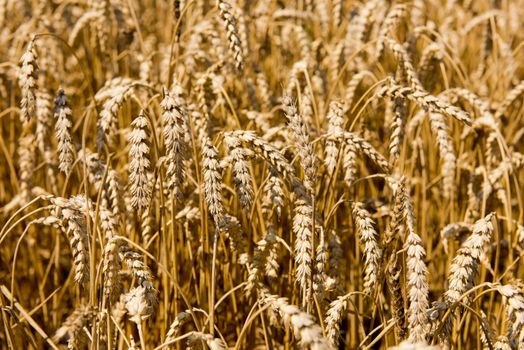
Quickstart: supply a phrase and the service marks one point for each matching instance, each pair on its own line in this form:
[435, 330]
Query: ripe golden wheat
[237, 174]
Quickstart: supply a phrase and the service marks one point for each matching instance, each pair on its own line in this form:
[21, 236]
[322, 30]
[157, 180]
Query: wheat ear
[63, 126]
[140, 187]
[230, 23]
[27, 80]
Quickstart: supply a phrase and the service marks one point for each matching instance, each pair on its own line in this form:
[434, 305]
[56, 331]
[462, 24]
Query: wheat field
[237, 174]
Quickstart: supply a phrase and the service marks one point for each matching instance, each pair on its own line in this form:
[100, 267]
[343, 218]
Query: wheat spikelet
[230, 23]
[71, 213]
[408, 71]
[44, 101]
[447, 153]
[335, 119]
[321, 10]
[430, 57]
[233, 230]
[83, 22]
[139, 164]
[291, 13]
[335, 61]
[417, 273]
[294, 82]
[63, 116]
[502, 343]
[511, 97]
[174, 117]
[263, 91]
[140, 302]
[487, 335]
[321, 280]
[338, 9]
[394, 17]
[271, 266]
[464, 267]
[107, 123]
[27, 81]
[180, 319]
[241, 175]
[212, 181]
[206, 93]
[243, 30]
[273, 200]
[473, 99]
[111, 197]
[335, 256]
[334, 316]
[302, 40]
[111, 86]
[212, 342]
[393, 273]
[102, 29]
[26, 163]
[265, 150]
[262, 262]
[306, 111]
[365, 147]
[393, 267]
[3, 12]
[351, 88]
[428, 102]
[371, 250]
[397, 128]
[302, 229]
[111, 267]
[349, 161]
[303, 325]
[358, 27]
[514, 303]
[134, 261]
[72, 330]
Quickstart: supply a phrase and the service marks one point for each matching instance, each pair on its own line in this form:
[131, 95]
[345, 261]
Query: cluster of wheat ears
[309, 174]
